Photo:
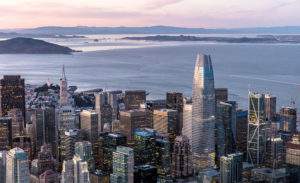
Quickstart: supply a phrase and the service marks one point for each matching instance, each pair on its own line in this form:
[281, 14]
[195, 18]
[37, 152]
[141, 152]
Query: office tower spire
[63, 88]
[203, 114]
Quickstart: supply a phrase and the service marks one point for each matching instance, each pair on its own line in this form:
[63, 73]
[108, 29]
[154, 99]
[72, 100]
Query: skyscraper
[226, 128]
[88, 128]
[23, 142]
[123, 165]
[63, 88]
[17, 167]
[166, 120]
[5, 133]
[256, 142]
[187, 119]
[81, 173]
[65, 121]
[203, 114]
[12, 94]
[181, 166]
[84, 150]
[288, 120]
[270, 107]
[133, 99]
[144, 146]
[110, 143]
[71, 137]
[104, 109]
[17, 121]
[163, 160]
[241, 130]
[131, 120]
[231, 168]
[45, 160]
[67, 171]
[175, 101]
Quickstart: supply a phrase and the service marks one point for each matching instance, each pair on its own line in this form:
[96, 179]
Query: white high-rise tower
[63, 88]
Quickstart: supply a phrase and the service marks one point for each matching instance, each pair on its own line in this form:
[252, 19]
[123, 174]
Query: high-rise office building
[81, 173]
[113, 97]
[71, 137]
[166, 120]
[231, 168]
[123, 165]
[5, 133]
[17, 121]
[104, 109]
[293, 159]
[241, 130]
[133, 99]
[3, 166]
[144, 146]
[23, 142]
[65, 121]
[275, 153]
[163, 160]
[187, 119]
[131, 120]
[45, 160]
[145, 174]
[84, 150]
[49, 127]
[67, 171]
[270, 107]
[63, 88]
[12, 94]
[203, 114]
[181, 166]
[49, 176]
[17, 167]
[88, 128]
[288, 119]
[256, 143]
[175, 101]
[110, 143]
[226, 128]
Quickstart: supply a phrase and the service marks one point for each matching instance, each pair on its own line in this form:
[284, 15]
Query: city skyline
[206, 14]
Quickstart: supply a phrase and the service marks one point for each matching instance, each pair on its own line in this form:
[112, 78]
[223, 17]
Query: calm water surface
[160, 67]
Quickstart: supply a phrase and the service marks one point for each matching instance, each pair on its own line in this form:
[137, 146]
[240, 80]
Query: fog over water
[161, 67]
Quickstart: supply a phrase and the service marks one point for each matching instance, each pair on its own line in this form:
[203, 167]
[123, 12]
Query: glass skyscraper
[256, 142]
[144, 149]
[203, 114]
[123, 165]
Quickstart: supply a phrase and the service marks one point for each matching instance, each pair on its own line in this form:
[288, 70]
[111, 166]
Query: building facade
[5, 133]
[133, 99]
[17, 167]
[144, 148]
[123, 165]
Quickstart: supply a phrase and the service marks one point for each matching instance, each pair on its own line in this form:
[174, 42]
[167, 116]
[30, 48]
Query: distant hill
[31, 46]
[53, 30]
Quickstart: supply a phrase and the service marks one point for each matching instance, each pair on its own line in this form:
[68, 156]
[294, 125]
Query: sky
[138, 13]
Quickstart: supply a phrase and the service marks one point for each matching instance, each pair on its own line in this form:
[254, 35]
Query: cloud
[155, 4]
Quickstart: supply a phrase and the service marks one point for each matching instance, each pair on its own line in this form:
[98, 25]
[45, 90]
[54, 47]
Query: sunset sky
[183, 13]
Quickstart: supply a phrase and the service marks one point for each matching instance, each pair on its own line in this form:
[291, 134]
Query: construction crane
[295, 99]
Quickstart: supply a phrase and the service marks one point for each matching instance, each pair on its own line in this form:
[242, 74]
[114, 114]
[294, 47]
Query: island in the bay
[22, 45]
[258, 39]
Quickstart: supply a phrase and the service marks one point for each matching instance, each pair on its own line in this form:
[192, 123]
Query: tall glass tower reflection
[203, 114]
